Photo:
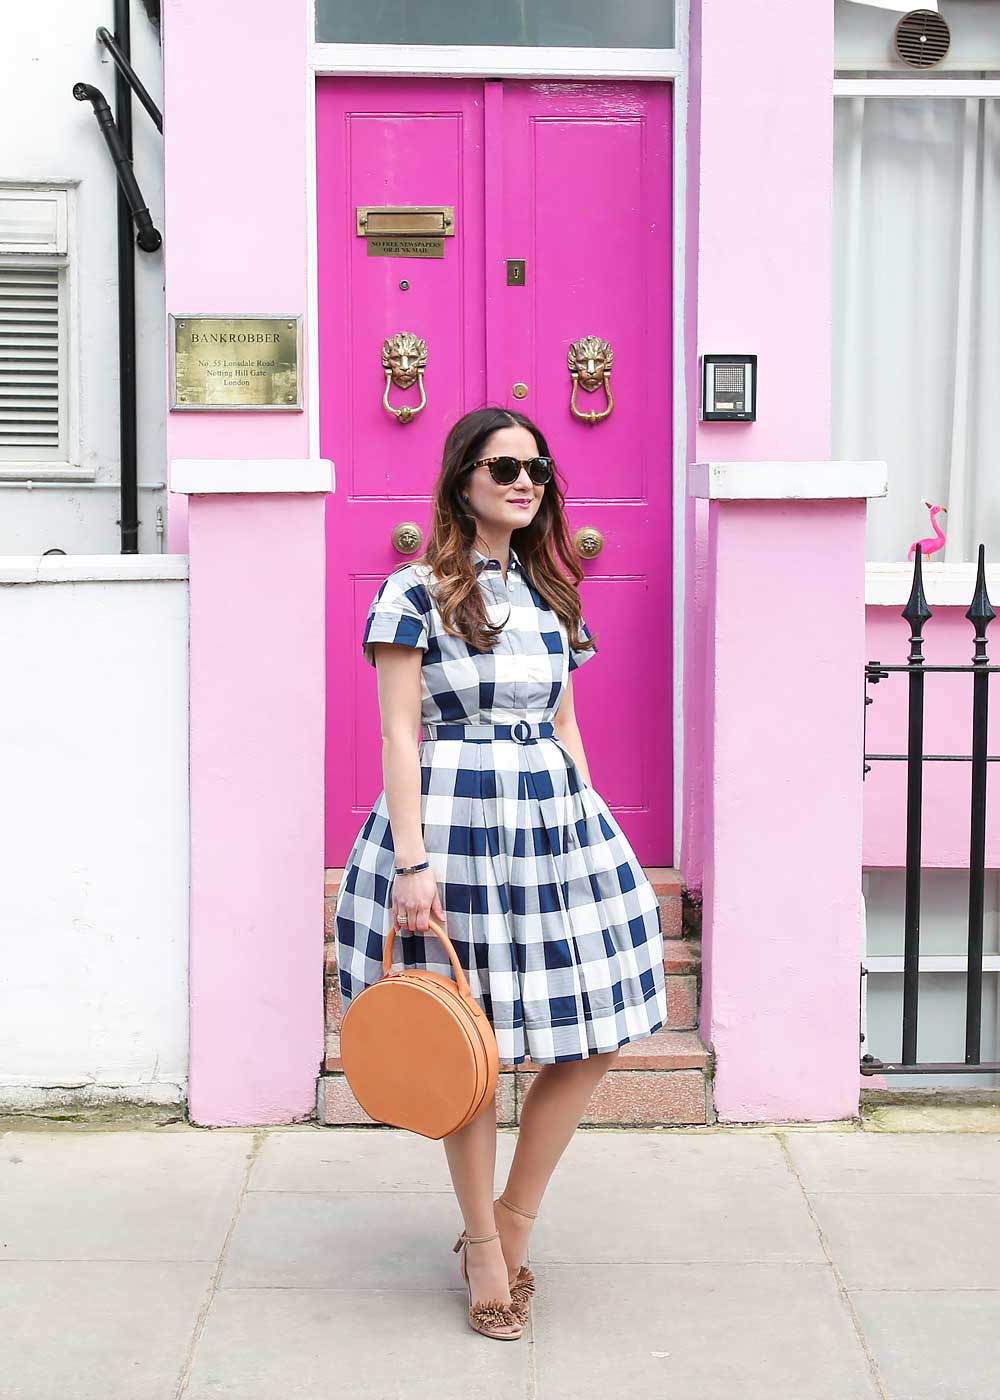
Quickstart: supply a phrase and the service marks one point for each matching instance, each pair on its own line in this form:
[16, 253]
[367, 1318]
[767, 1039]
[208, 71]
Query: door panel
[386, 143]
[576, 181]
[587, 204]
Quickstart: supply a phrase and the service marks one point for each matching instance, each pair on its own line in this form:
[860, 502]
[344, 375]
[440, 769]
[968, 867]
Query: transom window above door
[585, 24]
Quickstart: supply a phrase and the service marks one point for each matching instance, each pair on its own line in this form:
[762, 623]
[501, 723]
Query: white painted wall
[93, 829]
[49, 136]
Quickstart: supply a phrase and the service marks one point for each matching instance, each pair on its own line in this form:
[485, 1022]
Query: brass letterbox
[406, 230]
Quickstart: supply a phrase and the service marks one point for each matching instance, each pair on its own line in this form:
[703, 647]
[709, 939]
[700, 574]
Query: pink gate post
[257, 707]
[784, 699]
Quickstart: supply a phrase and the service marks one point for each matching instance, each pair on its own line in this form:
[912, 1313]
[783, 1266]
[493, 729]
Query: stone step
[682, 955]
[665, 879]
[664, 1050]
[681, 987]
[661, 1080]
[667, 884]
[658, 1081]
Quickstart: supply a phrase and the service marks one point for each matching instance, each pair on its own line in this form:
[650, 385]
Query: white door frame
[651, 65]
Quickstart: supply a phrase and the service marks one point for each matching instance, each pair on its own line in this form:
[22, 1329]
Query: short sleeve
[398, 613]
[577, 656]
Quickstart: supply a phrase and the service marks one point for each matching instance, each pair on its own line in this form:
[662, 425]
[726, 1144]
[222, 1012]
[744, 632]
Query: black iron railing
[917, 612]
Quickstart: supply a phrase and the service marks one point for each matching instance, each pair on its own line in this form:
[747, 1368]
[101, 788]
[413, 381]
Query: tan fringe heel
[522, 1286]
[493, 1318]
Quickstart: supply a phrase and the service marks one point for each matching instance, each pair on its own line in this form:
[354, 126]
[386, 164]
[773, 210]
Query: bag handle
[438, 931]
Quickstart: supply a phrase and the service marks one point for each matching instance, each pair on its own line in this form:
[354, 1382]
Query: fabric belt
[522, 732]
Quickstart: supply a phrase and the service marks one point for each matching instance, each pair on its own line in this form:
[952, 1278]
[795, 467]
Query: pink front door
[573, 180]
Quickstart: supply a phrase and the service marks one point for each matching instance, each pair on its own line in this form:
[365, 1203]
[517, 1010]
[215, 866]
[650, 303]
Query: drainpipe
[130, 207]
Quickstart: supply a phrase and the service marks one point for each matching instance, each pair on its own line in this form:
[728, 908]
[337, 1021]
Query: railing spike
[917, 609]
[980, 611]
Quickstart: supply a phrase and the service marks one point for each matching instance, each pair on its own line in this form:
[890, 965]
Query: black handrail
[131, 210]
[148, 236]
[130, 76]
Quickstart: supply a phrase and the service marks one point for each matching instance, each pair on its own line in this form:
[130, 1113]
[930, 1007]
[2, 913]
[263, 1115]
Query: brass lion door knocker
[590, 360]
[404, 359]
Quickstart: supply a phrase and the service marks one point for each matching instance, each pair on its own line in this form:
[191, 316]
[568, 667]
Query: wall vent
[922, 39]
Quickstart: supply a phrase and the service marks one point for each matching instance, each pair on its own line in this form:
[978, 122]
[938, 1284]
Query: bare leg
[471, 1153]
[553, 1107]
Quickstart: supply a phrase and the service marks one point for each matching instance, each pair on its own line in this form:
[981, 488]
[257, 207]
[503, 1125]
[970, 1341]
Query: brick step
[661, 1080]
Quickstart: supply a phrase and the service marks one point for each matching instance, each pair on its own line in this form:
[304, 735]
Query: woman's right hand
[416, 896]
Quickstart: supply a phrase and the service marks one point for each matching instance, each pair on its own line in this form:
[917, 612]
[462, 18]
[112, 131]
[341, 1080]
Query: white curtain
[916, 333]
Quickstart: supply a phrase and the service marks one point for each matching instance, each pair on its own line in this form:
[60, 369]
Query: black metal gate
[917, 612]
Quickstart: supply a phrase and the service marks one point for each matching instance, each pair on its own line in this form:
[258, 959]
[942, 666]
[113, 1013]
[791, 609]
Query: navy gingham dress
[551, 914]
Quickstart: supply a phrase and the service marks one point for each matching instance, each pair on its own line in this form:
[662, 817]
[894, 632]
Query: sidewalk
[796, 1263]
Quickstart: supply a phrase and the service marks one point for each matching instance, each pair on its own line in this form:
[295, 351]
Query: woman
[491, 826]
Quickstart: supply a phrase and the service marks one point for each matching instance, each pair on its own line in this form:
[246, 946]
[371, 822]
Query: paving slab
[912, 1241]
[317, 1344]
[402, 1241]
[696, 1332]
[359, 1159]
[932, 1118]
[657, 1200]
[934, 1346]
[704, 1157]
[899, 1165]
[107, 1330]
[119, 1196]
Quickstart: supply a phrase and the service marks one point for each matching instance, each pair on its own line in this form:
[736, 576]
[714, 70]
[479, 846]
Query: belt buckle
[521, 731]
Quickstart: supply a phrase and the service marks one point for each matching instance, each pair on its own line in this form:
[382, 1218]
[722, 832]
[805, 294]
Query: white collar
[482, 560]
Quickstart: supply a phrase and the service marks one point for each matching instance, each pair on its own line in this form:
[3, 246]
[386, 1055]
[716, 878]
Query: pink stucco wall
[235, 89]
[759, 244]
[783, 812]
[235, 221]
[774, 608]
[256, 754]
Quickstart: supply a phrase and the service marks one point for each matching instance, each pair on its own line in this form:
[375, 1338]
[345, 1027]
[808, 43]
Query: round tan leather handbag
[418, 1050]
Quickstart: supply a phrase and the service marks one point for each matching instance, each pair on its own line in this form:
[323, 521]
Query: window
[916, 345]
[917, 313]
[643, 24]
[33, 332]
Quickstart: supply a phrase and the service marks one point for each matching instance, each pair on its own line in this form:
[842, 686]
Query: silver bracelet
[411, 869]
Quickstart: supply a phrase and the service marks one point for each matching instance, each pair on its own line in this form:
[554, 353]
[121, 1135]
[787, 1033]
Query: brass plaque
[405, 247]
[236, 362]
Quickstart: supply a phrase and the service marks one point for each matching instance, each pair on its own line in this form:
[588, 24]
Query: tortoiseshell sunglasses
[506, 470]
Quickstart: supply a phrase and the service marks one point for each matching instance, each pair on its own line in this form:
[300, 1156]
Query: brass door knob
[407, 537]
[588, 542]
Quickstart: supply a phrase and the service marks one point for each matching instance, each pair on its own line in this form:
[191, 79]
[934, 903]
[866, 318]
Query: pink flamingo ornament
[933, 542]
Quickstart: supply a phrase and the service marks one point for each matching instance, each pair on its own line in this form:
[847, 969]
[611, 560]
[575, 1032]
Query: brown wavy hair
[539, 545]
